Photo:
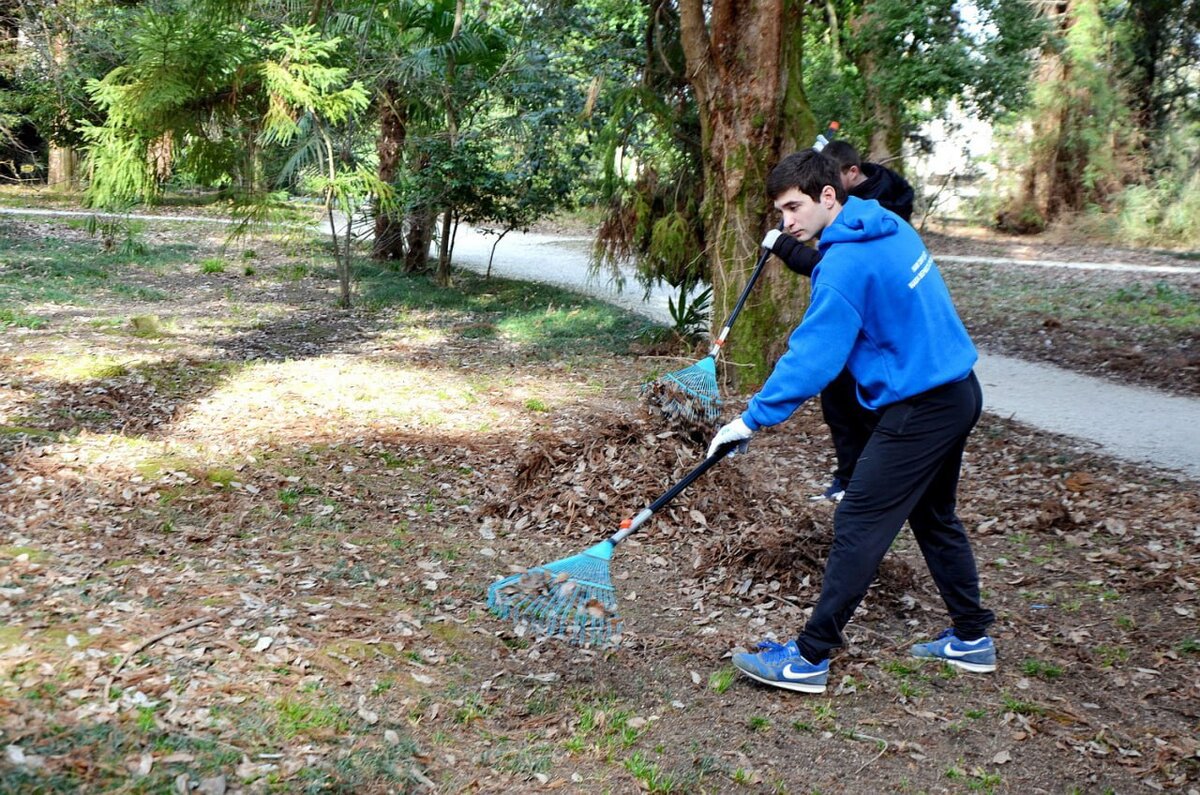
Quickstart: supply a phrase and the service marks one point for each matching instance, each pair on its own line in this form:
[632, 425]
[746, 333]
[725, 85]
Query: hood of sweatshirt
[860, 221]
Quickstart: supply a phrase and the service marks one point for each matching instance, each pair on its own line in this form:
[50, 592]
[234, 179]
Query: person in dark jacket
[881, 309]
[850, 424]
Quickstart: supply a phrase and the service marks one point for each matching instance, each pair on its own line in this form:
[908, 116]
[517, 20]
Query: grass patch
[56, 271]
[650, 776]
[33, 554]
[1159, 304]
[1040, 669]
[92, 757]
[78, 368]
[13, 317]
[212, 265]
[547, 321]
[721, 680]
[296, 717]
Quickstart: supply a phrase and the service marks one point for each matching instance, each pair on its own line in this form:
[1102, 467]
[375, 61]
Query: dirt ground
[253, 557]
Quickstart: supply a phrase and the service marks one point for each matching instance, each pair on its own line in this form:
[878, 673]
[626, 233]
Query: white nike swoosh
[789, 673]
[953, 652]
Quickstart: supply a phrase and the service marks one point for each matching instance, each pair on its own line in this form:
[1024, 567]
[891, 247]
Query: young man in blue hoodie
[850, 423]
[880, 308]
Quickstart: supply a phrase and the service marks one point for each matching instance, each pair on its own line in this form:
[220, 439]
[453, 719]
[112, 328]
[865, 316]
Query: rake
[573, 598]
[691, 394]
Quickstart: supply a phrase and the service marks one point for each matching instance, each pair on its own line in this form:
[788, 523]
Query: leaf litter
[296, 594]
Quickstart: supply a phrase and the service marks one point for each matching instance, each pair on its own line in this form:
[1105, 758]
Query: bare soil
[331, 493]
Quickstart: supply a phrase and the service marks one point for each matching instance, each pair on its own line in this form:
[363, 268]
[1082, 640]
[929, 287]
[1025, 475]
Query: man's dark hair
[809, 171]
[845, 154]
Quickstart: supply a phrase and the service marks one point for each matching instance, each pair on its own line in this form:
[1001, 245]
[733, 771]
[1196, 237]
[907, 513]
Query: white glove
[732, 432]
[770, 238]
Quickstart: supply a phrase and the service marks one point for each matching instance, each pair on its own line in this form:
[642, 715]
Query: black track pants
[908, 470]
[850, 422]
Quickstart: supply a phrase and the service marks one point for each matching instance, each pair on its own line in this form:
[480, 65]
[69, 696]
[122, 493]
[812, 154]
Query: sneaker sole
[799, 687]
[975, 668]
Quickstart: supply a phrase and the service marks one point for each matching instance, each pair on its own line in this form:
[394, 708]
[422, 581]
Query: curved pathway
[1140, 425]
[1137, 424]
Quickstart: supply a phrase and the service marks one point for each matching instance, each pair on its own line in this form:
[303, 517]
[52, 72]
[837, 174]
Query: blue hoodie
[879, 306]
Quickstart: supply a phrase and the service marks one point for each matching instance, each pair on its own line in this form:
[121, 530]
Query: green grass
[1157, 305]
[721, 680]
[55, 271]
[102, 749]
[212, 265]
[295, 717]
[13, 317]
[651, 776]
[1040, 669]
[546, 321]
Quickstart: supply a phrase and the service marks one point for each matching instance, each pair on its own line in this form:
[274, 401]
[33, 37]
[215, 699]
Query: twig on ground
[883, 750]
[166, 633]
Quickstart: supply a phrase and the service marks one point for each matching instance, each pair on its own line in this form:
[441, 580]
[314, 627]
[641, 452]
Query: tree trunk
[1078, 141]
[389, 228]
[61, 171]
[420, 235]
[887, 136]
[63, 158]
[442, 275]
[744, 67]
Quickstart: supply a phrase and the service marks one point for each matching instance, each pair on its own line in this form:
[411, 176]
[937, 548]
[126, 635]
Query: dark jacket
[882, 184]
[886, 187]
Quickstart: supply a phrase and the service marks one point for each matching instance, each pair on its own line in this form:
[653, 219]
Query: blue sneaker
[977, 656]
[782, 665]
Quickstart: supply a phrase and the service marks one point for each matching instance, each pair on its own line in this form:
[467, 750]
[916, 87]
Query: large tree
[744, 65]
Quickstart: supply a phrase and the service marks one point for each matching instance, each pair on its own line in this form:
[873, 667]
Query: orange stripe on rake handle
[626, 524]
[719, 343]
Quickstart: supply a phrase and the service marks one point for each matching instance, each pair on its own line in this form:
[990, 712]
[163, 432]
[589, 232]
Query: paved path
[1133, 423]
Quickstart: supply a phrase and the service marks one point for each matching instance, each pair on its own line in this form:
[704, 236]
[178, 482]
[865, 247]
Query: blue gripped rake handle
[604, 549]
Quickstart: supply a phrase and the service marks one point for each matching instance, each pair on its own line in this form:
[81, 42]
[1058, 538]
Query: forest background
[660, 117]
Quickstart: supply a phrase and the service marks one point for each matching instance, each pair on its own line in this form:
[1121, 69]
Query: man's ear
[828, 196]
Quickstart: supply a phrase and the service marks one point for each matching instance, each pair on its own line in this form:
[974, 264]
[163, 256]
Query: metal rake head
[572, 598]
[690, 394]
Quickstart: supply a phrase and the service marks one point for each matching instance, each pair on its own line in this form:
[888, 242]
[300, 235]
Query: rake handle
[630, 526]
[741, 302]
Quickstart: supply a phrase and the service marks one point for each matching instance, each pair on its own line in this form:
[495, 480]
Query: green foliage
[924, 54]
[177, 75]
[301, 83]
[690, 316]
[12, 317]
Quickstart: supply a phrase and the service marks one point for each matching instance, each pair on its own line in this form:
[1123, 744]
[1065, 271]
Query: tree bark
[744, 67]
[389, 228]
[886, 136]
[1076, 147]
[442, 275]
[61, 171]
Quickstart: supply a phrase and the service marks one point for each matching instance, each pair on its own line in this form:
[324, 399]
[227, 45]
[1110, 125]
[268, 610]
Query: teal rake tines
[574, 598]
[691, 394]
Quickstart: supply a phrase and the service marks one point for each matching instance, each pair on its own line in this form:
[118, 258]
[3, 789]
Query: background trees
[664, 114]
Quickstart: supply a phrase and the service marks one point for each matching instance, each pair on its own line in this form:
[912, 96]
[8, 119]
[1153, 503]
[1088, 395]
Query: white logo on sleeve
[921, 268]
